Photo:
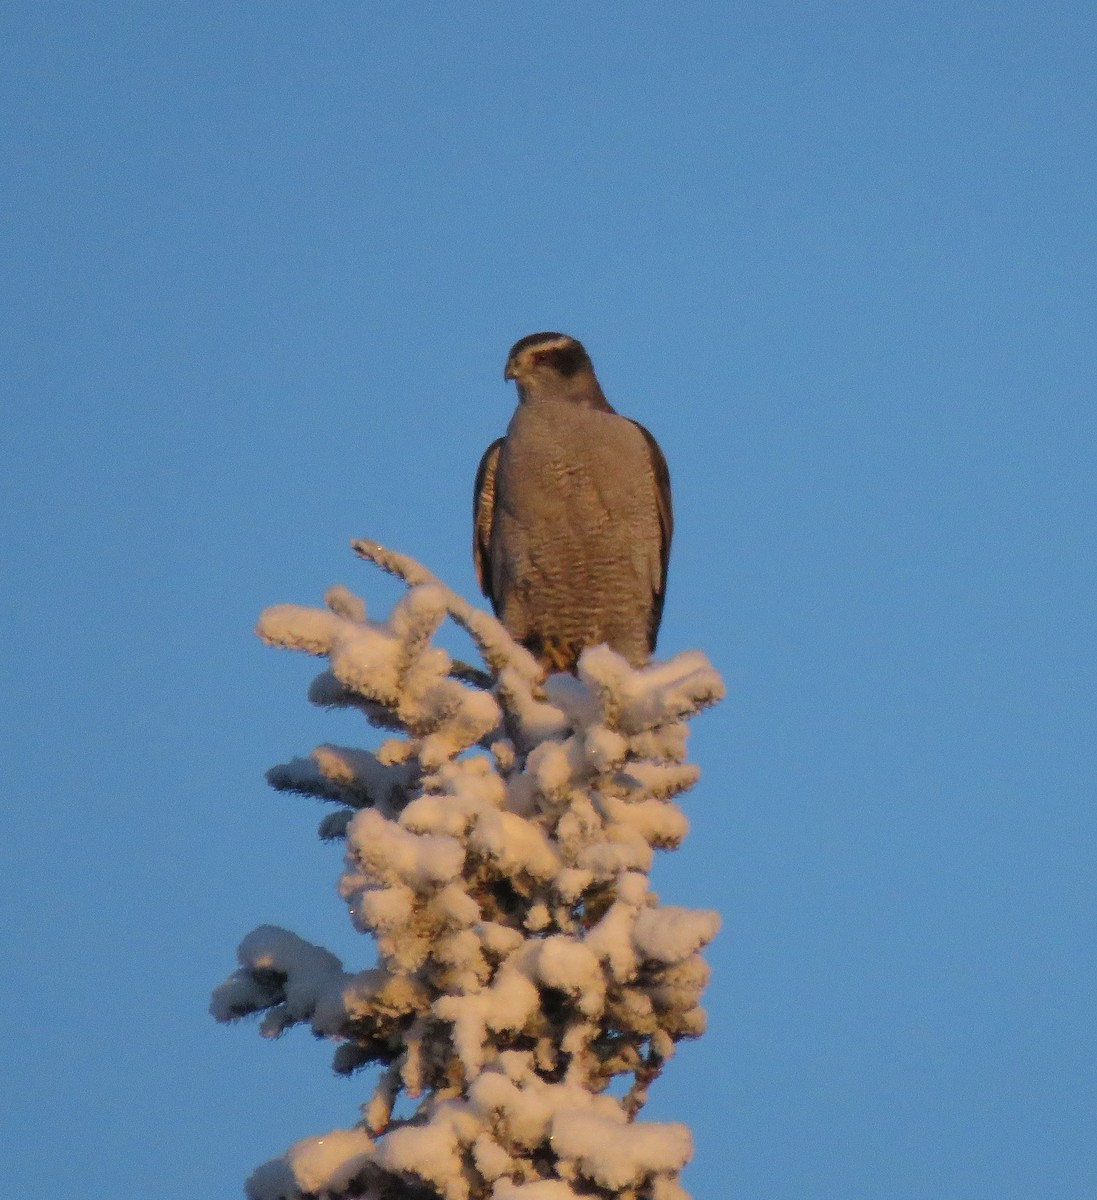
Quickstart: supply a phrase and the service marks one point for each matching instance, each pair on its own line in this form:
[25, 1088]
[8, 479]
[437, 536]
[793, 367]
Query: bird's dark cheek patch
[567, 360]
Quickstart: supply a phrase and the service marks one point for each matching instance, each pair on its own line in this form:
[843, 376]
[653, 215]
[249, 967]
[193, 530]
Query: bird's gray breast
[576, 537]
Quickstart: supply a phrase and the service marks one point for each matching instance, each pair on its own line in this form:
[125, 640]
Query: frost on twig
[529, 986]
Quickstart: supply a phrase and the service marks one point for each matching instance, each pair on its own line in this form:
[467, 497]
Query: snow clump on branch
[498, 844]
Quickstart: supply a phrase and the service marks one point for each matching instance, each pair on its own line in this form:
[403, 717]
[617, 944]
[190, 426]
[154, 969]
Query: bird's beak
[508, 371]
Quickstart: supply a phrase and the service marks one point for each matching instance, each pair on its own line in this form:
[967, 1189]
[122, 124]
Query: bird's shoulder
[483, 514]
[655, 454]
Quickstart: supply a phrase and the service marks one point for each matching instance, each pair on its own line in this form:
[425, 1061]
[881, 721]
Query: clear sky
[261, 267]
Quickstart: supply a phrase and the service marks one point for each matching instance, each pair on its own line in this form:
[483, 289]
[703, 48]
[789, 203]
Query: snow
[279, 971]
[505, 1006]
[545, 1189]
[492, 1161]
[670, 934]
[342, 601]
[430, 1153]
[391, 854]
[569, 966]
[616, 1155]
[331, 1161]
[498, 845]
[515, 845]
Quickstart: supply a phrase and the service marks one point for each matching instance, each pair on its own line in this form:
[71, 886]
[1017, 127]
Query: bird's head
[553, 366]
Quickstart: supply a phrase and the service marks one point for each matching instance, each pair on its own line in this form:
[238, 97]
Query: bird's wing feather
[661, 481]
[483, 513]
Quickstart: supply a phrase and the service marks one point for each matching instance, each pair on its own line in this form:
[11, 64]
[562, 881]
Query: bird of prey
[572, 514]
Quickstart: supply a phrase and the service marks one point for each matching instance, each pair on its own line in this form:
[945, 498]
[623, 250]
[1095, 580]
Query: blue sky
[262, 267]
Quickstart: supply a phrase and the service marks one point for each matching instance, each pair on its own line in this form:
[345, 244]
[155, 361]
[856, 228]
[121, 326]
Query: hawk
[572, 514]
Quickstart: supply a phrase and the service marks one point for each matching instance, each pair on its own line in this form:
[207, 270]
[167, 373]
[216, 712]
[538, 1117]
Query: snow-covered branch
[498, 844]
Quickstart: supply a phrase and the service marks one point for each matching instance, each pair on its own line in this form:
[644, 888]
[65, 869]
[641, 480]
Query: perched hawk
[572, 514]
